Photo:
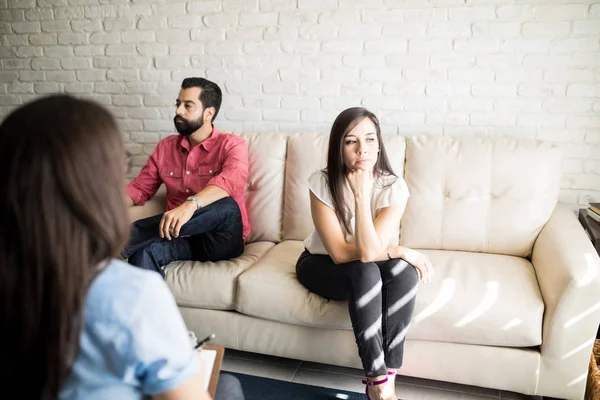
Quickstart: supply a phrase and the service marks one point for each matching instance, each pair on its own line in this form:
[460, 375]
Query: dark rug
[257, 388]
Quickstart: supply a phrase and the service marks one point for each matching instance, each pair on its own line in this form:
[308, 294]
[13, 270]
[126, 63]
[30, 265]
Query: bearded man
[205, 173]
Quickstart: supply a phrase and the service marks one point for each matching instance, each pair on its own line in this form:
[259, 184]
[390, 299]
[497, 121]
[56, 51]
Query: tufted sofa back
[488, 195]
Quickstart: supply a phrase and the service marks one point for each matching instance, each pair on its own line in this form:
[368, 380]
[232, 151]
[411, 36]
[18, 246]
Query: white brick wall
[445, 67]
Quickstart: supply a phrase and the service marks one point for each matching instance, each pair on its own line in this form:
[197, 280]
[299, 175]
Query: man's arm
[233, 176]
[231, 180]
[145, 185]
[210, 194]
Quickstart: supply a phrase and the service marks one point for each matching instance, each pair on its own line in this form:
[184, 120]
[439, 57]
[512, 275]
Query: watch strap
[196, 201]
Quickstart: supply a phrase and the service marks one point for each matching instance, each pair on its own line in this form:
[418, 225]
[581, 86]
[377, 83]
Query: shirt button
[210, 172]
[187, 172]
[171, 173]
[187, 190]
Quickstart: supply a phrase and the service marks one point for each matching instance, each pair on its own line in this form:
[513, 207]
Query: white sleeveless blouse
[387, 191]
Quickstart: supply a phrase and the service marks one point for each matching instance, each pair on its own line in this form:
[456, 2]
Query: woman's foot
[378, 388]
[392, 381]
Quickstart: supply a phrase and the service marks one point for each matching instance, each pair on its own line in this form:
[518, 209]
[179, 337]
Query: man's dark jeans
[213, 233]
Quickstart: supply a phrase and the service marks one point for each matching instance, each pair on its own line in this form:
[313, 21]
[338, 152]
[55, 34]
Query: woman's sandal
[373, 383]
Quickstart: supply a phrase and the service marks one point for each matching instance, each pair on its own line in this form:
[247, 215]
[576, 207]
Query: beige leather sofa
[515, 301]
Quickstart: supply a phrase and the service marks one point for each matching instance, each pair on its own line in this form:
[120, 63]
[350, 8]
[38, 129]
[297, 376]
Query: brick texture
[441, 67]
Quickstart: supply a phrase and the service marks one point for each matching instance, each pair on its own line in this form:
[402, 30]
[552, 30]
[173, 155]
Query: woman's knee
[411, 275]
[408, 278]
[363, 272]
[399, 267]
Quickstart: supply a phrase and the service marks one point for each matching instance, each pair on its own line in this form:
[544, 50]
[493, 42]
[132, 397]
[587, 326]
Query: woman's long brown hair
[336, 169]
[62, 217]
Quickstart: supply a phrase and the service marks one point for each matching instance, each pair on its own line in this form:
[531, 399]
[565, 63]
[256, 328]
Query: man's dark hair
[210, 93]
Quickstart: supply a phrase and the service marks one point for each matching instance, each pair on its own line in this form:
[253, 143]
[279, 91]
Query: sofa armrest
[567, 268]
[156, 205]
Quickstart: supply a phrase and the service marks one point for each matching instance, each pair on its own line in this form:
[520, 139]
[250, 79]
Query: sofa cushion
[306, 153]
[264, 189]
[156, 205]
[208, 284]
[270, 290]
[474, 298]
[489, 195]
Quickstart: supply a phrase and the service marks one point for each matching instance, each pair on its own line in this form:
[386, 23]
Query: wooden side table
[592, 228]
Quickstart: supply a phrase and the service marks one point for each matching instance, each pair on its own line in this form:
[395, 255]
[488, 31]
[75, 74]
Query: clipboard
[212, 356]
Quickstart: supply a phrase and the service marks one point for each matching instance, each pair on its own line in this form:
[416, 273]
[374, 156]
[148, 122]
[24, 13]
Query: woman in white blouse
[353, 254]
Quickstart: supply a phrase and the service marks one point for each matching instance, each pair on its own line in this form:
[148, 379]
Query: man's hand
[173, 220]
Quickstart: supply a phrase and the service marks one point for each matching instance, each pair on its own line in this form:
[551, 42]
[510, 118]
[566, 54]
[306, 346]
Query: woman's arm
[372, 237]
[192, 389]
[330, 231]
[159, 348]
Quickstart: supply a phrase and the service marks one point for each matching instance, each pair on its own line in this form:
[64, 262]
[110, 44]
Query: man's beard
[185, 127]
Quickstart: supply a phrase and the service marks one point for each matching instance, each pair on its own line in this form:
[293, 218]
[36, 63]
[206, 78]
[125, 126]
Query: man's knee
[140, 256]
[146, 223]
[148, 254]
[227, 205]
[146, 258]
[225, 209]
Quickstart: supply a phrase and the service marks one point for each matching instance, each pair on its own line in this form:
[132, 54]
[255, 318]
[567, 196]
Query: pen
[209, 337]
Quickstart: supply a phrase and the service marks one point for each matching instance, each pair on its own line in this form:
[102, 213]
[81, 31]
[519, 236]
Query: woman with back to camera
[353, 254]
[77, 323]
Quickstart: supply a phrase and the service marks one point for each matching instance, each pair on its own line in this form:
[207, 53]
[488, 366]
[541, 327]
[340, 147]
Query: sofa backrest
[490, 195]
[264, 189]
[305, 154]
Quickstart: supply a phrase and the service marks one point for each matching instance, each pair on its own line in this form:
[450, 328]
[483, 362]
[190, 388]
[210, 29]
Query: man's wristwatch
[195, 200]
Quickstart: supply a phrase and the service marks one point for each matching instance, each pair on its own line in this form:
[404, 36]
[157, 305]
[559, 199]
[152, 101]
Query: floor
[350, 379]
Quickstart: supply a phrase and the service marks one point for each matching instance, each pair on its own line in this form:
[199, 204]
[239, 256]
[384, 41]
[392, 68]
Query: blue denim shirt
[134, 340]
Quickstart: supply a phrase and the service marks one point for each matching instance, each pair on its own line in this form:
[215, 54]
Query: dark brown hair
[336, 169]
[210, 93]
[62, 217]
